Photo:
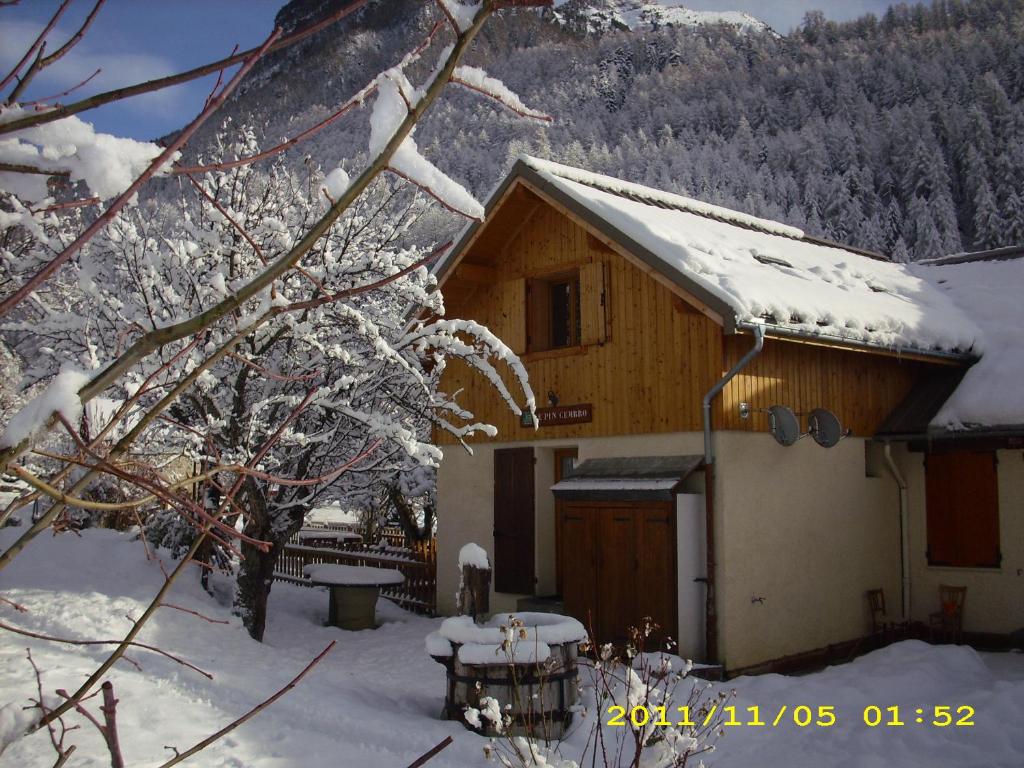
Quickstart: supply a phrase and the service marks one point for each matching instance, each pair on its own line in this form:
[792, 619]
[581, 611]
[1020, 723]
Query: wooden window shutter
[941, 510]
[962, 504]
[514, 300]
[593, 325]
[538, 315]
[979, 499]
[513, 521]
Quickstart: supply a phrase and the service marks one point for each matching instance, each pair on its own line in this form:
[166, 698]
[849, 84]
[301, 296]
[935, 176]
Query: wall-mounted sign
[560, 415]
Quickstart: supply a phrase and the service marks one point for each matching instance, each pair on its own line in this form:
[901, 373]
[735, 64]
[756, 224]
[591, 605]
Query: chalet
[681, 354]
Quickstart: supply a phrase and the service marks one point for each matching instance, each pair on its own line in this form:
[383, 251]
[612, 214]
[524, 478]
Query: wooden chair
[948, 621]
[882, 625]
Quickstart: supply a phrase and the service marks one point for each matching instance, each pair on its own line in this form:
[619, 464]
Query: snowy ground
[374, 701]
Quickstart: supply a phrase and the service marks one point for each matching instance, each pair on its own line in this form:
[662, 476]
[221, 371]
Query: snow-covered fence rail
[418, 593]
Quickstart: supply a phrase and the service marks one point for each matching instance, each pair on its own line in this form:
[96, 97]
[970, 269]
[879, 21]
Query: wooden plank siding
[860, 388]
[660, 355]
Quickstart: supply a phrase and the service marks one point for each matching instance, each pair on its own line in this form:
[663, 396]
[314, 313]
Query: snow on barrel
[514, 674]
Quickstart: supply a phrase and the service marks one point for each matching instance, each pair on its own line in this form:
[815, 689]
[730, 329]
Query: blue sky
[134, 40]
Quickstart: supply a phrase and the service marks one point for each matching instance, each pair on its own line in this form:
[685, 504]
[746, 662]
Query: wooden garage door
[618, 565]
[513, 521]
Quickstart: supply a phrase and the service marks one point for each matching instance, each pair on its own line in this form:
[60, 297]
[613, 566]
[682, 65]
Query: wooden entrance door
[618, 562]
[514, 524]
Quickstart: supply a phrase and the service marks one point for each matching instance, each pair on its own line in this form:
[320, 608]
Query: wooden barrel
[541, 694]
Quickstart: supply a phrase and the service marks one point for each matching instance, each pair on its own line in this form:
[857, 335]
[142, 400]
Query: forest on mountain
[902, 134]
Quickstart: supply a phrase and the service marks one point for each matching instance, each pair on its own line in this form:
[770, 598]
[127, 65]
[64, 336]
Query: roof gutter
[710, 610]
[1013, 433]
[782, 330]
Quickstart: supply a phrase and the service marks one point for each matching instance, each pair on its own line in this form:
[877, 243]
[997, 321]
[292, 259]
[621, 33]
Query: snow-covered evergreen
[879, 132]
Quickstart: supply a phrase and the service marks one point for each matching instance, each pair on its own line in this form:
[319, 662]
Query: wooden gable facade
[647, 351]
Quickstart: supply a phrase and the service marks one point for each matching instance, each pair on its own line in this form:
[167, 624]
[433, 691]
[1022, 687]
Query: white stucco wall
[805, 530]
[995, 596]
[802, 527]
[465, 493]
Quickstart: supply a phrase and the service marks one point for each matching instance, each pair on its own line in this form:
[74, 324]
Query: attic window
[553, 311]
[772, 260]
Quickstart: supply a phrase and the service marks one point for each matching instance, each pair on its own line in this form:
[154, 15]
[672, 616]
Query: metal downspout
[710, 613]
[904, 531]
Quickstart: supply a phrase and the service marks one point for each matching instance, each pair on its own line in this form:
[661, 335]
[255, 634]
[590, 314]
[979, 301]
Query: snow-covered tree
[277, 328]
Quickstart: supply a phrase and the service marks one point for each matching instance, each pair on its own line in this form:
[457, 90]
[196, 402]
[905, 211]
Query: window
[962, 508]
[553, 312]
[563, 310]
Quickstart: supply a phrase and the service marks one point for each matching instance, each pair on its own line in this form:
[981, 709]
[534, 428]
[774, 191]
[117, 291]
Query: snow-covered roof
[749, 270]
[629, 478]
[989, 291]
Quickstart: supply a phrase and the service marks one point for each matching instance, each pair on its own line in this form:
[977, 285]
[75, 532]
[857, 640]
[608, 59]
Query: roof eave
[782, 332]
[944, 435]
[721, 308]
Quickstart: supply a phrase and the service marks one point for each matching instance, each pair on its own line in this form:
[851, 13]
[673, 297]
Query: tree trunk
[255, 578]
[264, 522]
[256, 569]
[407, 516]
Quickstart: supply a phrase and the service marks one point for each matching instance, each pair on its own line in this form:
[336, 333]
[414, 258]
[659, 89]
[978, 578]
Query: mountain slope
[903, 134]
[602, 16]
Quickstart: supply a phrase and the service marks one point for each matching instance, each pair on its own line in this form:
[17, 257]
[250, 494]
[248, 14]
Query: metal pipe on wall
[710, 612]
[901, 484]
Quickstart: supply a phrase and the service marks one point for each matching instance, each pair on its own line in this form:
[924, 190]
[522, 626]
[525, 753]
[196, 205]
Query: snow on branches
[397, 98]
[251, 325]
[74, 149]
[478, 80]
[247, 331]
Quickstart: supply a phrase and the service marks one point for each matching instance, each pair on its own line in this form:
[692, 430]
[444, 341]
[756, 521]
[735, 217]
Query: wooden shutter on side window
[514, 311]
[979, 494]
[513, 521]
[962, 508]
[593, 325]
[940, 504]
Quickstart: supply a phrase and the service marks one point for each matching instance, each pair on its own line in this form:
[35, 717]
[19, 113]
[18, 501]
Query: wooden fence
[418, 593]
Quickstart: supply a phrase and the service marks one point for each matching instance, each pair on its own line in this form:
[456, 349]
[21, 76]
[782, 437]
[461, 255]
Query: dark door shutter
[962, 503]
[940, 502]
[618, 568]
[578, 554]
[619, 565]
[979, 497]
[657, 569]
[513, 520]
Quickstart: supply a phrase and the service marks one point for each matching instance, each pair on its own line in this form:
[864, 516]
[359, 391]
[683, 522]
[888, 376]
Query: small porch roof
[632, 478]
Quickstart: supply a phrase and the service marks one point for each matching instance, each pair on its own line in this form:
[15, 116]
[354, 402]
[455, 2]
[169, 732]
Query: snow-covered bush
[639, 709]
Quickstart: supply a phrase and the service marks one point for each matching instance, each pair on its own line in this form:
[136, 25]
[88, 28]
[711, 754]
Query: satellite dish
[783, 425]
[824, 427]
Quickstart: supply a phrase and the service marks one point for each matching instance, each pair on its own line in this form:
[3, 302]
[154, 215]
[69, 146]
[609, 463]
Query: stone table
[354, 591]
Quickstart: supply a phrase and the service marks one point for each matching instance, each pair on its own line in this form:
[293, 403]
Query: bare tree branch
[72, 89]
[157, 338]
[118, 94]
[36, 45]
[101, 221]
[70, 641]
[250, 714]
[32, 169]
[431, 753]
[75, 38]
